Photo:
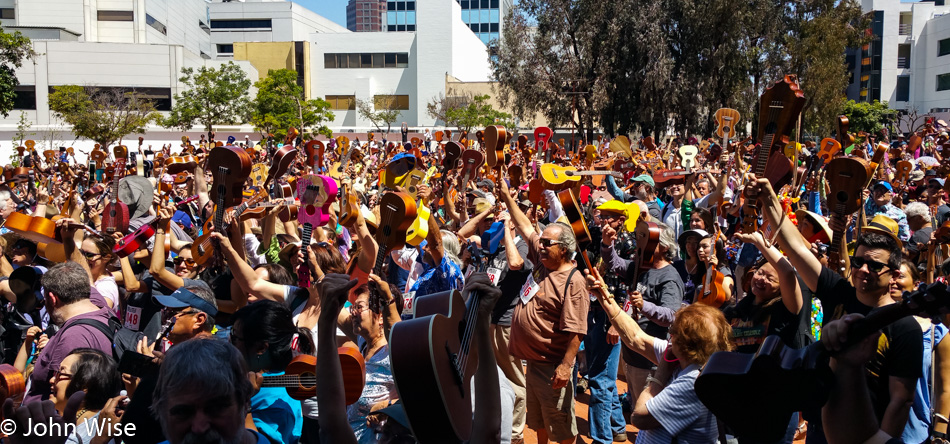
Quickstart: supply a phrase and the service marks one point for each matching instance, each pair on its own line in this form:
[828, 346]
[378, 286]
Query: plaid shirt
[889, 210]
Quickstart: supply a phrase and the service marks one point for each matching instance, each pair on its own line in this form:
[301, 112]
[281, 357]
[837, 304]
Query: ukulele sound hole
[841, 196]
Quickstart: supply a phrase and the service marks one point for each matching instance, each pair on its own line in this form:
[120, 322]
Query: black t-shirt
[752, 323]
[662, 287]
[143, 312]
[921, 236]
[900, 348]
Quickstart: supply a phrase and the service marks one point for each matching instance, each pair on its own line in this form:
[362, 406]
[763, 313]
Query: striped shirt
[677, 408]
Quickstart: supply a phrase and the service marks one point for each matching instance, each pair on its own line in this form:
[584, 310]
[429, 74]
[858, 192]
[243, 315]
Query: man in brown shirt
[548, 325]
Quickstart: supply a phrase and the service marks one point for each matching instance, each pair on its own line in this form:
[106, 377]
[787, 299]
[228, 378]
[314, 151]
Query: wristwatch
[657, 381]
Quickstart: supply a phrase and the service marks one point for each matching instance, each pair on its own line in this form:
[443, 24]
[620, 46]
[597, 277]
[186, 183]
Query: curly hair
[700, 330]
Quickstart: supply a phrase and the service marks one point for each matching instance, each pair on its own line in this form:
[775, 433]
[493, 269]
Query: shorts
[546, 407]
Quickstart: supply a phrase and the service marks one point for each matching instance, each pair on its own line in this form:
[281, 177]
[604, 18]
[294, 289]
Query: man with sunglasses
[893, 372]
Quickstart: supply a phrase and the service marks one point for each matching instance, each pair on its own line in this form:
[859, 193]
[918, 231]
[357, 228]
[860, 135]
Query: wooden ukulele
[12, 385]
[844, 137]
[779, 109]
[115, 215]
[433, 360]
[556, 177]
[397, 210]
[495, 137]
[712, 292]
[300, 377]
[472, 160]
[846, 177]
[796, 379]
[230, 168]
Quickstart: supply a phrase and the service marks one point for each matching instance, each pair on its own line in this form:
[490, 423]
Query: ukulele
[229, 168]
[316, 194]
[712, 291]
[779, 109]
[397, 210]
[433, 360]
[556, 177]
[796, 379]
[300, 377]
[314, 150]
[115, 215]
[472, 160]
[495, 137]
[12, 385]
[542, 136]
[844, 138]
[846, 177]
[572, 210]
[726, 118]
[688, 157]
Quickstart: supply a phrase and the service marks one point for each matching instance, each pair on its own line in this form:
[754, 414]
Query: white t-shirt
[109, 290]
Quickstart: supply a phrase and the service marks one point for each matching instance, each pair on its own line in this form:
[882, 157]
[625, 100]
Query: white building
[410, 65]
[263, 21]
[908, 62]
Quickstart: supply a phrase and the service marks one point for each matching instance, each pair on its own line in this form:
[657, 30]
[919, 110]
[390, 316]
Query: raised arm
[630, 333]
[245, 276]
[334, 426]
[157, 266]
[789, 239]
[522, 223]
[788, 279]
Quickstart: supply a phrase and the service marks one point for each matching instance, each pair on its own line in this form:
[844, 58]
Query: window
[391, 102]
[943, 47]
[493, 27]
[115, 16]
[24, 97]
[8, 13]
[342, 102]
[903, 88]
[159, 26]
[493, 15]
[241, 24]
[943, 82]
[225, 49]
[366, 60]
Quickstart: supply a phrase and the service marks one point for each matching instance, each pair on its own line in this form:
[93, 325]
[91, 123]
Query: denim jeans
[605, 414]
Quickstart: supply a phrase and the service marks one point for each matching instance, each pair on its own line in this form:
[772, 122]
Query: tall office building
[401, 15]
[485, 17]
[365, 15]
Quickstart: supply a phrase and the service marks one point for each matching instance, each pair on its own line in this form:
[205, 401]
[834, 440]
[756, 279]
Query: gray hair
[668, 241]
[68, 281]
[195, 366]
[566, 238]
[917, 209]
[451, 247]
[4, 196]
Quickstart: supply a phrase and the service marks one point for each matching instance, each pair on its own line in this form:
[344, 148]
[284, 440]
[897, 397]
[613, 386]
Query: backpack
[108, 330]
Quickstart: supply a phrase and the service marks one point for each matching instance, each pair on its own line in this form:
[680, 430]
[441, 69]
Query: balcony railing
[904, 29]
[903, 62]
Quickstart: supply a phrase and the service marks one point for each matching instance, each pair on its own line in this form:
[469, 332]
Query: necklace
[692, 270]
[79, 415]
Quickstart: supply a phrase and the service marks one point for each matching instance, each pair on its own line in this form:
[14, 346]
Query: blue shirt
[276, 415]
[918, 420]
[889, 210]
[447, 276]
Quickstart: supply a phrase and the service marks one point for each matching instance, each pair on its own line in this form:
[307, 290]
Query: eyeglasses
[873, 266]
[547, 243]
[188, 262]
[356, 309]
[168, 313]
[90, 255]
[59, 375]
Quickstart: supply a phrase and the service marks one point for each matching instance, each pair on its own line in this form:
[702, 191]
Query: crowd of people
[191, 319]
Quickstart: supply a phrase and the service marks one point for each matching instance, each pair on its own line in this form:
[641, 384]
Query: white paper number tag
[493, 273]
[408, 308]
[468, 271]
[628, 307]
[529, 289]
[133, 316]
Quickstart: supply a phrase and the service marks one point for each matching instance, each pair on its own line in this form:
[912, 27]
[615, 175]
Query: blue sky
[332, 9]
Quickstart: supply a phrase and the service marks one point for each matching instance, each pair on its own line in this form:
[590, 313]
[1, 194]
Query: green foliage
[211, 97]
[383, 110]
[23, 133]
[476, 114]
[14, 50]
[280, 104]
[102, 115]
[868, 117]
[650, 67]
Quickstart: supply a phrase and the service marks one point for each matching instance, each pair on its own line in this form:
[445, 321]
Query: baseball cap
[486, 183]
[646, 179]
[183, 297]
[686, 234]
[614, 206]
[885, 184]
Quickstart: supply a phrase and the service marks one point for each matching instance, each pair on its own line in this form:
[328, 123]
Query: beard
[211, 437]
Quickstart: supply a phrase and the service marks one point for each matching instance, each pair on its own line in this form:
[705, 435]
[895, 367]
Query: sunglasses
[547, 243]
[873, 266]
[89, 255]
[188, 262]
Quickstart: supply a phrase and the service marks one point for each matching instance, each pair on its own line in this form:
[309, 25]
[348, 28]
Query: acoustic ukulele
[494, 138]
[472, 160]
[433, 360]
[555, 177]
[12, 386]
[779, 108]
[397, 210]
[300, 377]
[796, 379]
[712, 291]
[115, 215]
[316, 194]
[846, 177]
[314, 150]
[230, 167]
[688, 157]
[542, 136]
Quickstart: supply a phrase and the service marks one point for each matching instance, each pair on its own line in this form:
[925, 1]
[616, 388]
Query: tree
[103, 115]
[467, 111]
[383, 110]
[910, 121]
[280, 104]
[211, 97]
[14, 50]
[868, 117]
